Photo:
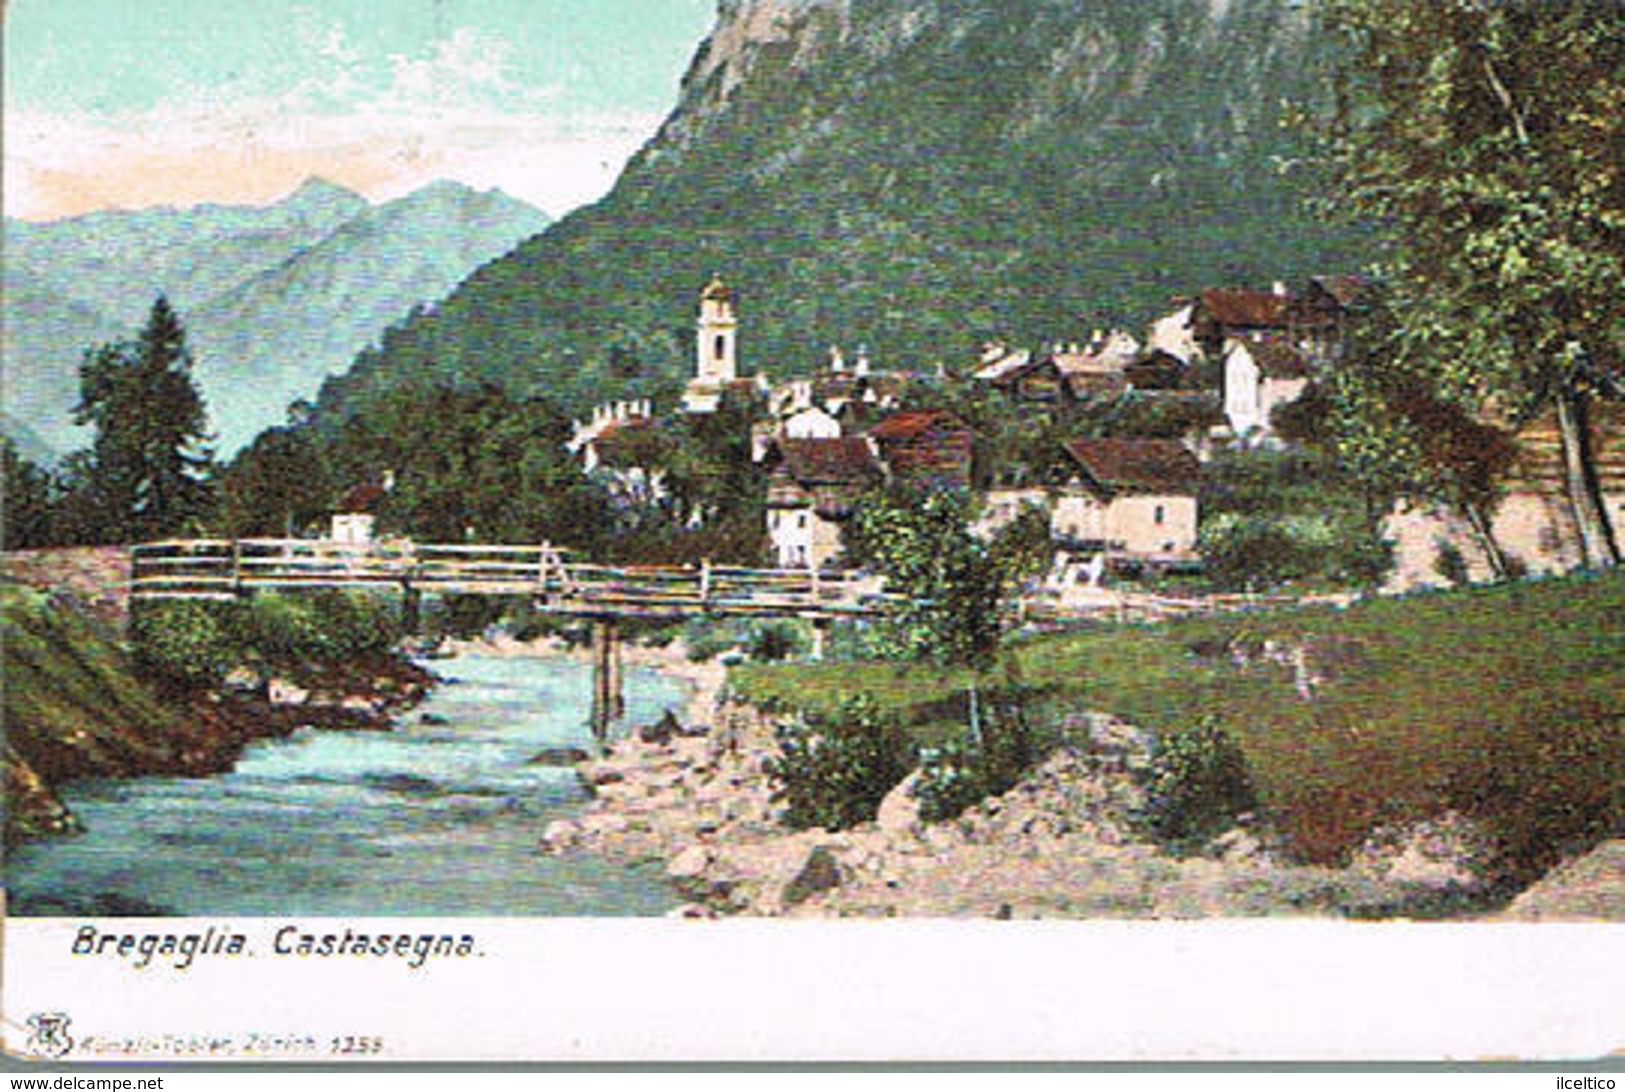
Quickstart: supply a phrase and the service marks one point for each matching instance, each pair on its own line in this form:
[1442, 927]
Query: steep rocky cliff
[916, 175]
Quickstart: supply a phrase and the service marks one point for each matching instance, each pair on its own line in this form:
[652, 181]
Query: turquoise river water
[440, 817]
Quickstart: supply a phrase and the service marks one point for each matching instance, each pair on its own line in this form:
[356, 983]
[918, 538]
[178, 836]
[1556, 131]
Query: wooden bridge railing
[227, 568]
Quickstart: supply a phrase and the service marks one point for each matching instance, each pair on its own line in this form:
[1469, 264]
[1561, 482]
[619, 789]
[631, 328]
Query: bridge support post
[820, 637]
[608, 699]
[411, 610]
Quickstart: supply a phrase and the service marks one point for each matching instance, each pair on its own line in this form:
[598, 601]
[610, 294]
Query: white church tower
[716, 349]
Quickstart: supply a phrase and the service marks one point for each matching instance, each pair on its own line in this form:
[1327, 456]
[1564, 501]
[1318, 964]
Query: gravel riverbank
[1061, 843]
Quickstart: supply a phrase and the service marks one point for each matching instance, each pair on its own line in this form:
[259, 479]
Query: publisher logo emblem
[48, 1034]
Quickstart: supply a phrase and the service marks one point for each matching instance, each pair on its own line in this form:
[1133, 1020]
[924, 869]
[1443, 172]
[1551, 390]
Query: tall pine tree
[152, 461]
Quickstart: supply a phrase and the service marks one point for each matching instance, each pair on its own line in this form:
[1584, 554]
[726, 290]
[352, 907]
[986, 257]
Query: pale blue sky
[135, 102]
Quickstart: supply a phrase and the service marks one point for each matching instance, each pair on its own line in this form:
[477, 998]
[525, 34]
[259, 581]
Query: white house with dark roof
[1129, 497]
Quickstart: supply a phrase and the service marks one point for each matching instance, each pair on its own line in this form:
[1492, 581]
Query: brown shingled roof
[1137, 466]
[912, 423]
[1245, 307]
[361, 498]
[828, 461]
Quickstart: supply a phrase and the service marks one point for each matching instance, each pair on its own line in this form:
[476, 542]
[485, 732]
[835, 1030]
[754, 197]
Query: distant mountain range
[273, 298]
[917, 175]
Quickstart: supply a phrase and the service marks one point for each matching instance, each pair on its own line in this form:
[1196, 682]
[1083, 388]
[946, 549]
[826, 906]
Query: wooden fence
[228, 568]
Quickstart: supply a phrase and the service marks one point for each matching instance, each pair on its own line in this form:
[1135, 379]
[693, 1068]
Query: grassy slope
[73, 704]
[1505, 702]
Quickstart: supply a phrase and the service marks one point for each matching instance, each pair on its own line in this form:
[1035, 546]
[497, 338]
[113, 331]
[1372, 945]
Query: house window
[720, 346]
[1161, 515]
[801, 521]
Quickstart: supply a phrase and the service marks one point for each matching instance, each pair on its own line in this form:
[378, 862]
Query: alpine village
[1143, 460]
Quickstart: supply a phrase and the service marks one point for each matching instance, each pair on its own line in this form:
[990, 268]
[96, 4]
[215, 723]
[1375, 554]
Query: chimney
[863, 360]
[1278, 288]
[837, 362]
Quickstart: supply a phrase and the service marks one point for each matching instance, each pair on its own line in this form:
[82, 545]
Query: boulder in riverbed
[283, 692]
[818, 873]
[559, 756]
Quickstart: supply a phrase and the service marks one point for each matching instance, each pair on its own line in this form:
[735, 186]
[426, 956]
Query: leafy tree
[1489, 138]
[77, 516]
[953, 586]
[27, 492]
[277, 485]
[151, 462]
[470, 461]
[949, 582]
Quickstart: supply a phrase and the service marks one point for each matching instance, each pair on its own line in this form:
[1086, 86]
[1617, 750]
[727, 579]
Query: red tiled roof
[1137, 466]
[828, 461]
[1246, 307]
[361, 498]
[912, 423]
[627, 424]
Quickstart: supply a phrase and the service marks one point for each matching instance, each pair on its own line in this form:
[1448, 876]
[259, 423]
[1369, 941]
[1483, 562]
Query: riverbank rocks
[660, 731]
[559, 756]
[899, 812]
[819, 872]
[282, 692]
[1448, 853]
[1589, 887]
[1065, 841]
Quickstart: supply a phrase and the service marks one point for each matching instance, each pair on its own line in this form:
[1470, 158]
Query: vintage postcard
[556, 530]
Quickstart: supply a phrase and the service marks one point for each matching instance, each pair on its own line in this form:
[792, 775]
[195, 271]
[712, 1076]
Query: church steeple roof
[716, 290]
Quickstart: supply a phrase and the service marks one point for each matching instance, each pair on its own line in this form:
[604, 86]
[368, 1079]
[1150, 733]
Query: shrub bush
[1198, 783]
[835, 775]
[357, 624]
[706, 638]
[188, 643]
[1256, 552]
[960, 773]
[281, 631]
[774, 641]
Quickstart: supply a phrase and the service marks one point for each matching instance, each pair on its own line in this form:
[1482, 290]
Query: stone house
[1035, 382]
[1129, 498]
[627, 456]
[1322, 311]
[1174, 333]
[355, 516]
[813, 488]
[1533, 524]
[932, 448]
[1001, 505]
[1221, 316]
[610, 426]
[811, 423]
[1259, 376]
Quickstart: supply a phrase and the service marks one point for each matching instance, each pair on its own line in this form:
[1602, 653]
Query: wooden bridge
[227, 569]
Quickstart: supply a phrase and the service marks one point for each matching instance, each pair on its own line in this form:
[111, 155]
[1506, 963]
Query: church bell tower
[717, 344]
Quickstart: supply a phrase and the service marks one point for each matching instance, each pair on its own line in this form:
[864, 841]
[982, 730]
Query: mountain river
[439, 817]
